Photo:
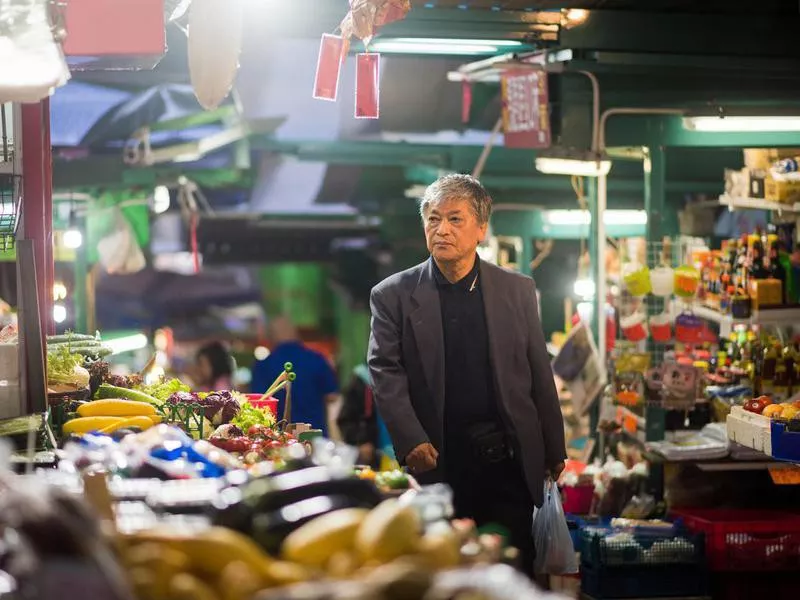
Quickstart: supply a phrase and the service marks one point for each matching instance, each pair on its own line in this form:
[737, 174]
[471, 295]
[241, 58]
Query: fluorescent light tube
[442, 49]
[742, 123]
[128, 343]
[584, 217]
[570, 166]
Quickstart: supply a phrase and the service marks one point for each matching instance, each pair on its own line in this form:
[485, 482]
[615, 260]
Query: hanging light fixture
[73, 238]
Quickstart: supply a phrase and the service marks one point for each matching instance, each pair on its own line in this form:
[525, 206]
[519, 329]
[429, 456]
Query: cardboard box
[781, 191]
[762, 158]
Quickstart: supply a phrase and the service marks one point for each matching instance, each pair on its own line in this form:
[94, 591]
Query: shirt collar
[465, 283]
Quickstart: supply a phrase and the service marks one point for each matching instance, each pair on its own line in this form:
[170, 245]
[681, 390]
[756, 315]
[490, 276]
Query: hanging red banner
[329, 66]
[526, 119]
[367, 86]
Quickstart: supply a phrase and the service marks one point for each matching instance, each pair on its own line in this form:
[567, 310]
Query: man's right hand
[422, 458]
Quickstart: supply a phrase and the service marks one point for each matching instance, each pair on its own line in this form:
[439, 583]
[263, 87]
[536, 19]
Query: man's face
[452, 230]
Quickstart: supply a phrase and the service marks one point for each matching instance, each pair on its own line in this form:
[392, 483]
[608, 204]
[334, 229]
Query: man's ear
[482, 235]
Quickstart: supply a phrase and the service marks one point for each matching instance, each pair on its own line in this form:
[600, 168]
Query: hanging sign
[526, 119]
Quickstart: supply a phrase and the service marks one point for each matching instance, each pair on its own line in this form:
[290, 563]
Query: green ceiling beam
[111, 173]
[198, 119]
[533, 181]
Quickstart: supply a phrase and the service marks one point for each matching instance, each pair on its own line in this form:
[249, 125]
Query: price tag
[526, 118]
[785, 475]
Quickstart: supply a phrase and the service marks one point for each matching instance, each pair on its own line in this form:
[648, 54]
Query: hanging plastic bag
[119, 252]
[555, 553]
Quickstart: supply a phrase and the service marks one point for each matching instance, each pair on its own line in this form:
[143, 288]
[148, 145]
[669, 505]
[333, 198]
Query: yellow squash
[141, 422]
[87, 424]
[116, 408]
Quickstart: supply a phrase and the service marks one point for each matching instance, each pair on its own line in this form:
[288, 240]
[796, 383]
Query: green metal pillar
[596, 246]
[596, 254]
[654, 204]
[80, 292]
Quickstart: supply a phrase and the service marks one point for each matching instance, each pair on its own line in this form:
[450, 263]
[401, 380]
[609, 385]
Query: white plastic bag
[555, 554]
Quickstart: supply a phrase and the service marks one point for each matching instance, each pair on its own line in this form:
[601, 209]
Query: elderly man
[460, 369]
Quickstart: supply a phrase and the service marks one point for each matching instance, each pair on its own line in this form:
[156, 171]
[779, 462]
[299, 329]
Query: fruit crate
[786, 441]
[610, 547]
[644, 581]
[747, 540]
[750, 429]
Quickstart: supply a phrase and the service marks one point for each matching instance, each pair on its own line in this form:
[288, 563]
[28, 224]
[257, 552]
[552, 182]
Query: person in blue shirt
[315, 388]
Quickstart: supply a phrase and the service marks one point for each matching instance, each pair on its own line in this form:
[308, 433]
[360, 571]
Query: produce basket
[747, 540]
[613, 547]
[750, 429]
[642, 563]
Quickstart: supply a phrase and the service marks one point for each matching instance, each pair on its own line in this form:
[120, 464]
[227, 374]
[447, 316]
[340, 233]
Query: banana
[210, 551]
[313, 543]
[185, 586]
[238, 582]
[440, 551]
[390, 530]
[115, 408]
[160, 561]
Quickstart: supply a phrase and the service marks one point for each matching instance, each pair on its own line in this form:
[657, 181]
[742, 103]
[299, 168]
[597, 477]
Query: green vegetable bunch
[164, 389]
[249, 415]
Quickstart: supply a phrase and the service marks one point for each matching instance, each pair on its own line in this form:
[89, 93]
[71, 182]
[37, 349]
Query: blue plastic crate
[785, 443]
[659, 581]
[604, 546]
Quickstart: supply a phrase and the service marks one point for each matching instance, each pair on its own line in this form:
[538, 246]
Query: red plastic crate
[747, 540]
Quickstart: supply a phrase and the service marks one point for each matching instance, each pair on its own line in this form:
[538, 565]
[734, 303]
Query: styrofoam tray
[750, 429]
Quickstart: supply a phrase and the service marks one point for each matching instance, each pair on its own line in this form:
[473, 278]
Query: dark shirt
[469, 388]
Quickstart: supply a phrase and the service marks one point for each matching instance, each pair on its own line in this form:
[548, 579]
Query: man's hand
[555, 471]
[422, 458]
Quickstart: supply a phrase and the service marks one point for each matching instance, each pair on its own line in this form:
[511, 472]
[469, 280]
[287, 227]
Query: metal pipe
[595, 109]
[610, 112]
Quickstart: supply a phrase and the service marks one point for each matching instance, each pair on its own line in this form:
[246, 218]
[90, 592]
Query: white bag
[119, 252]
[555, 553]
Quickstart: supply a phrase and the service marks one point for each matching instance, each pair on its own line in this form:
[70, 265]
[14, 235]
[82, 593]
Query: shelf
[775, 316]
[734, 203]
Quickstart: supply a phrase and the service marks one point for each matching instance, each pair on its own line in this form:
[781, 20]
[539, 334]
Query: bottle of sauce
[781, 384]
[769, 367]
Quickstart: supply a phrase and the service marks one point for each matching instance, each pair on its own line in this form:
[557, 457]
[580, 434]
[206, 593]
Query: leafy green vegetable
[61, 365]
[164, 389]
[249, 415]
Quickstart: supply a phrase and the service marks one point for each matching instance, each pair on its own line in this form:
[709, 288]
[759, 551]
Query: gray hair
[458, 186]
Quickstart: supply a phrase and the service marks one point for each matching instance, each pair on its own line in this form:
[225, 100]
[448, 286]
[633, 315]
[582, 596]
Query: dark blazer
[406, 361]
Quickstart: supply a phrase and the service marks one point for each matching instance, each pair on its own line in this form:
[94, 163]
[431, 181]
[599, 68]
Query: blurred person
[313, 392]
[360, 423]
[461, 372]
[214, 366]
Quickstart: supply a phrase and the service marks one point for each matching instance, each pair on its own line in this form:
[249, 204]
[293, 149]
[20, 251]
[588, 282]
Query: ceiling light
[576, 16]
[442, 46]
[59, 313]
[727, 123]
[161, 199]
[73, 239]
[573, 166]
[584, 288]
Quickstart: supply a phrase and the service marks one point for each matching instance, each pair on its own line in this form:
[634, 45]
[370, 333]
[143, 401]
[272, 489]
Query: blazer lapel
[426, 321]
[499, 323]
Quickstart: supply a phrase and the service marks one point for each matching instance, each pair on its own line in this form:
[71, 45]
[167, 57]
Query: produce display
[210, 496]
